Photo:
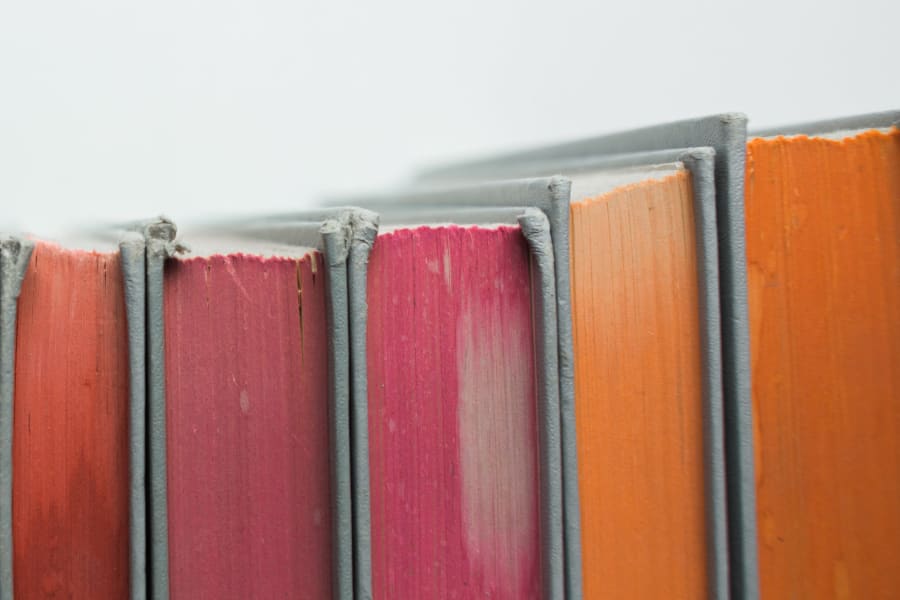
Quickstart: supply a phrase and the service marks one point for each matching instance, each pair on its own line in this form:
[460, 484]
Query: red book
[249, 503]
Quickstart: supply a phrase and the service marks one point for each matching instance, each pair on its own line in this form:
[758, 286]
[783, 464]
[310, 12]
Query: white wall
[114, 109]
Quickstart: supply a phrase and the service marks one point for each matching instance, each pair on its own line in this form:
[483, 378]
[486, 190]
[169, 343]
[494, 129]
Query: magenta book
[453, 447]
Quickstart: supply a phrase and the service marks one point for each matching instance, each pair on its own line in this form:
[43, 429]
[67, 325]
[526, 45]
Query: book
[644, 280]
[525, 376]
[639, 389]
[257, 412]
[822, 249]
[463, 420]
[70, 451]
[452, 413]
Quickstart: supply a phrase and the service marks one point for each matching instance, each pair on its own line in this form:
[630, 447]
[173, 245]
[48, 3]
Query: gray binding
[886, 119]
[143, 247]
[536, 229]
[557, 212]
[336, 234]
[132, 249]
[160, 240]
[15, 254]
[364, 224]
[701, 163]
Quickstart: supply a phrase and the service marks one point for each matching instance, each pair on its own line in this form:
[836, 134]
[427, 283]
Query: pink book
[453, 417]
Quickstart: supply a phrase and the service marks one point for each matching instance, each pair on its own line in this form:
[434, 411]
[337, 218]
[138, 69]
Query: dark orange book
[823, 255]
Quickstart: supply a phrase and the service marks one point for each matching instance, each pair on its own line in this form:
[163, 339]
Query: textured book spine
[365, 230]
[15, 254]
[132, 250]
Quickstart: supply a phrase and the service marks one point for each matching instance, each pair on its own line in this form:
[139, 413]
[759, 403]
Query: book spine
[14, 257]
[160, 238]
[132, 249]
[558, 217]
[741, 487]
[365, 229]
[336, 234]
[536, 229]
[701, 164]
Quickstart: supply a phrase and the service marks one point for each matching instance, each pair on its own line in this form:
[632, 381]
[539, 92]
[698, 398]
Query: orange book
[638, 390]
[823, 255]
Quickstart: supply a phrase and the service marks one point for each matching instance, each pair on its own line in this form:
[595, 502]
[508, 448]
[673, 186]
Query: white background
[114, 109]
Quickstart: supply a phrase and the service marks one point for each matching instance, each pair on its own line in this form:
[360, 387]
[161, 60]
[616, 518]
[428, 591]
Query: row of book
[663, 363]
